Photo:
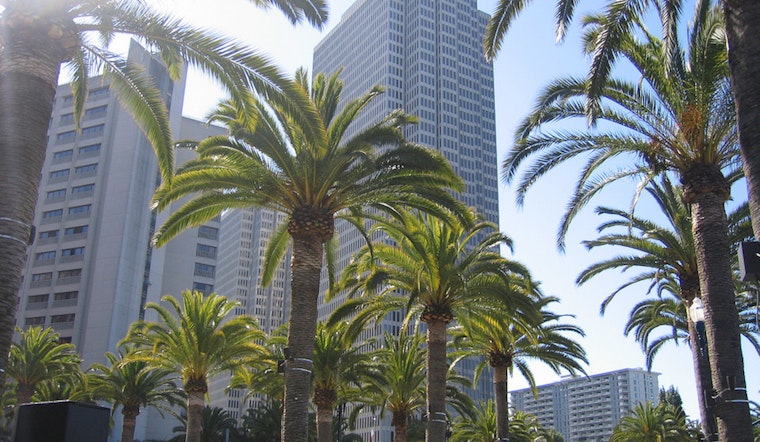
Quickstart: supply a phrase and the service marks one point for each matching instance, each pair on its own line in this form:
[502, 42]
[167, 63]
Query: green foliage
[646, 422]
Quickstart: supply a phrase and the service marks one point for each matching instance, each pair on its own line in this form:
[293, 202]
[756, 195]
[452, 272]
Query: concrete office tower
[86, 271]
[428, 56]
[588, 409]
[91, 268]
[243, 240]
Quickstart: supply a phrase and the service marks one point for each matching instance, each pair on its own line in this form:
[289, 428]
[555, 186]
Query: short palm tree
[677, 118]
[430, 270]
[132, 384]
[197, 338]
[481, 428]
[504, 341]
[278, 160]
[339, 365]
[216, 425]
[648, 422]
[39, 36]
[39, 356]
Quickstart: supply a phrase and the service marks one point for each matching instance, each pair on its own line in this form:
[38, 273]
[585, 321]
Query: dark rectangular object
[749, 260]
[62, 421]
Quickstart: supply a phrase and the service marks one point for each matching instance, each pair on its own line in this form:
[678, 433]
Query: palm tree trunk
[437, 366]
[306, 268]
[28, 81]
[710, 228]
[324, 423]
[400, 423]
[195, 403]
[742, 24]
[500, 401]
[130, 421]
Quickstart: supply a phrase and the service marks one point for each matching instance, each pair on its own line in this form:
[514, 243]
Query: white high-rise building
[588, 408]
[428, 56]
[91, 269]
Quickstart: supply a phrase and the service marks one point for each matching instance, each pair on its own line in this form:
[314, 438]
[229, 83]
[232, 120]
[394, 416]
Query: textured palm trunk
[437, 366]
[400, 423]
[306, 268]
[28, 78]
[24, 393]
[500, 402]
[742, 24]
[130, 414]
[324, 419]
[710, 228]
[195, 403]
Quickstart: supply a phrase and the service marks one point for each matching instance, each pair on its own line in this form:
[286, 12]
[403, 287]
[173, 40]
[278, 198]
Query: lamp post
[697, 318]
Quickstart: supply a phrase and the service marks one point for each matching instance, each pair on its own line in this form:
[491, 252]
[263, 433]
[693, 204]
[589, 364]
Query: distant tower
[588, 408]
[428, 56]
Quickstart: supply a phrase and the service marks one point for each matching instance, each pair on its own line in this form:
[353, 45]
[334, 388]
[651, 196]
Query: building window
[47, 276]
[59, 174]
[95, 112]
[90, 168]
[76, 210]
[87, 188]
[208, 232]
[64, 155]
[205, 288]
[205, 251]
[99, 92]
[62, 321]
[45, 256]
[49, 234]
[89, 150]
[52, 215]
[65, 296]
[66, 137]
[67, 119]
[93, 131]
[204, 270]
[69, 273]
[73, 251]
[56, 194]
[38, 299]
[75, 230]
[36, 320]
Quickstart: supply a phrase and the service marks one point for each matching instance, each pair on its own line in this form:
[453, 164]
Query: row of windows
[50, 255]
[64, 173]
[76, 191]
[54, 319]
[57, 297]
[48, 276]
[86, 132]
[68, 154]
[66, 232]
[57, 213]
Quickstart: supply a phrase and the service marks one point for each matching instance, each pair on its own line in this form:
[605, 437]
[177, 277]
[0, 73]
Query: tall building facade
[91, 269]
[428, 56]
[588, 409]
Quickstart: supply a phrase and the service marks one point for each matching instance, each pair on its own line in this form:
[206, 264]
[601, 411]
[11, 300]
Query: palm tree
[38, 36]
[678, 118]
[647, 423]
[277, 160]
[216, 425]
[668, 257]
[198, 339]
[482, 428]
[441, 269]
[504, 342]
[339, 365]
[132, 384]
[263, 424]
[40, 356]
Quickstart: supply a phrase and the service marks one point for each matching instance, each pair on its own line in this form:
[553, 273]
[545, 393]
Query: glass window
[69, 273]
[205, 288]
[67, 118]
[80, 209]
[205, 250]
[204, 270]
[39, 298]
[36, 320]
[42, 276]
[59, 173]
[57, 319]
[63, 155]
[83, 189]
[48, 234]
[73, 251]
[52, 214]
[65, 137]
[93, 131]
[99, 92]
[63, 296]
[208, 232]
[95, 112]
[75, 230]
[44, 256]
[87, 168]
[60, 193]
[92, 148]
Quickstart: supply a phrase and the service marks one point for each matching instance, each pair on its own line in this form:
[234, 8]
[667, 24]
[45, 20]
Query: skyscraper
[588, 408]
[91, 269]
[428, 56]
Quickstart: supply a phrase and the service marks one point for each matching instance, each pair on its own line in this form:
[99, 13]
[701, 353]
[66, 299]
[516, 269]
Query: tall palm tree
[197, 338]
[441, 269]
[132, 384]
[648, 422]
[677, 118]
[667, 257]
[40, 356]
[339, 365]
[39, 36]
[272, 161]
[741, 19]
[505, 342]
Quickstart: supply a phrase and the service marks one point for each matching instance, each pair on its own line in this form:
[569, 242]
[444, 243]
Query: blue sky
[528, 60]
